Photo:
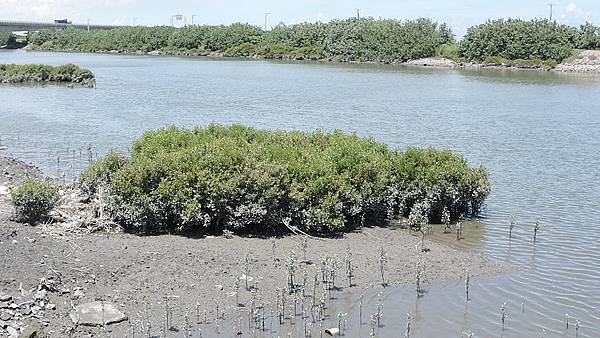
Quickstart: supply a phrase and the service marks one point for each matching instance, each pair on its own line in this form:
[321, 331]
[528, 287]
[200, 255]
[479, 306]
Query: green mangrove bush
[7, 39]
[14, 73]
[590, 38]
[33, 200]
[99, 174]
[247, 180]
[514, 39]
[346, 40]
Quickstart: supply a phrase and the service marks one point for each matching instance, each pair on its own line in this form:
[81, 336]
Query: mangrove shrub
[248, 180]
[34, 199]
[519, 39]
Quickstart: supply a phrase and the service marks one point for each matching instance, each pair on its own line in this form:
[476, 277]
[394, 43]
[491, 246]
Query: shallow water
[537, 133]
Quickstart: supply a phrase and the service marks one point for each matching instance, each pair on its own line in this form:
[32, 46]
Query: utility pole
[357, 13]
[134, 20]
[551, 5]
[193, 15]
[88, 26]
[266, 15]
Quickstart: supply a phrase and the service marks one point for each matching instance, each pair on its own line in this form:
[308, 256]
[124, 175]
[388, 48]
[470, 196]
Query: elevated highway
[25, 26]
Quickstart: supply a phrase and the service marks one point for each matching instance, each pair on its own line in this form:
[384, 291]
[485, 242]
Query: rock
[96, 314]
[26, 311]
[50, 306]
[5, 297]
[3, 305]
[5, 316]
[33, 330]
[12, 332]
[78, 294]
[40, 295]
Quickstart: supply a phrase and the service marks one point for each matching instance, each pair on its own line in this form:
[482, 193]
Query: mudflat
[138, 275]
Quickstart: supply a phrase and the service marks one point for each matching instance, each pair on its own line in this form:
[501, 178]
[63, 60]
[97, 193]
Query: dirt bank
[198, 275]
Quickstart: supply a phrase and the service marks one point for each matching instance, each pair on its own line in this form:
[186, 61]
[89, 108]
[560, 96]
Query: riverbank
[587, 62]
[28, 73]
[199, 275]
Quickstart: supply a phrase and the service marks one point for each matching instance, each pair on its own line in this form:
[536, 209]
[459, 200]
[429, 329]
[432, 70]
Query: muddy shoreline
[136, 273]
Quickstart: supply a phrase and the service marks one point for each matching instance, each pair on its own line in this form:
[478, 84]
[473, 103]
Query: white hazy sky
[460, 14]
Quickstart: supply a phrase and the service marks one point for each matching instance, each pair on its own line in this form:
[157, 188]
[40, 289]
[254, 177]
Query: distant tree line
[365, 40]
[346, 40]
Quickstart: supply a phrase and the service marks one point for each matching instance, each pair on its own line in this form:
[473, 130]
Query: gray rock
[96, 314]
[40, 295]
[33, 330]
[3, 305]
[5, 297]
[12, 332]
[5, 316]
[78, 294]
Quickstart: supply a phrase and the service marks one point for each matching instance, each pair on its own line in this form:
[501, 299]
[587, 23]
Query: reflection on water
[537, 133]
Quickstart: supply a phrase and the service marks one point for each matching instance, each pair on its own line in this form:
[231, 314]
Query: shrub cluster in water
[249, 180]
[13, 73]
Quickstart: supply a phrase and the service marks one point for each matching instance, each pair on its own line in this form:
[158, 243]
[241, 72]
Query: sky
[459, 14]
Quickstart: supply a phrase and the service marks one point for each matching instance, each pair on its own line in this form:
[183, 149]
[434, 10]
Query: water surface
[537, 133]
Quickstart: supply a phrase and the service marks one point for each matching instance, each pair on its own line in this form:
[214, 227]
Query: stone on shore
[97, 313]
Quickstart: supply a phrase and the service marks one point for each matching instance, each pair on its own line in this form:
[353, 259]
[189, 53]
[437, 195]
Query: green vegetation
[100, 173]
[33, 200]
[590, 38]
[449, 51]
[13, 73]
[518, 39]
[7, 39]
[508, 42]
[345, 40]
[247, 180]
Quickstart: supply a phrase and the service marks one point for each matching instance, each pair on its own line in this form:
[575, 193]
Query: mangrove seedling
[360, 306]
[247, 271]
[373, 325]
[504, 314]
[349, 267]
[536, 227]
[467, 283]
[407, 332]
[304, 245]
[511, 226]
[383, 261]
[379, 309]
[567, 320]
[420, 273]
[459, 231]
